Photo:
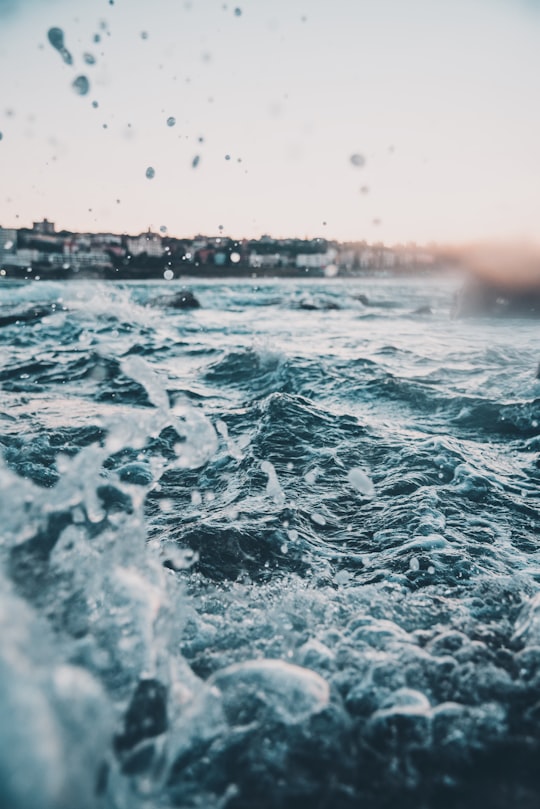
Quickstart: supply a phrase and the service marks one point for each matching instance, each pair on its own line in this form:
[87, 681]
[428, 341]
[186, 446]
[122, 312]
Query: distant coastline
[41, 252]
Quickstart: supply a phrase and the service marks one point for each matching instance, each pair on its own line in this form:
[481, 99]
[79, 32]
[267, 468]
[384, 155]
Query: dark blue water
[279, 551]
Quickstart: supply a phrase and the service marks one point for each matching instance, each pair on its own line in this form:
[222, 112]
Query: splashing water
[254, 554]
[81, 85]
[56, 39]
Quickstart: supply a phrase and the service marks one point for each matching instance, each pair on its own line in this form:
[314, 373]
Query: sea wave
[267, 561]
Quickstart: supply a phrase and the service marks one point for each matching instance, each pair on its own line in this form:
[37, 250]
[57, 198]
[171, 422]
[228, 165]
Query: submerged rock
[318, 305]
[185, 299]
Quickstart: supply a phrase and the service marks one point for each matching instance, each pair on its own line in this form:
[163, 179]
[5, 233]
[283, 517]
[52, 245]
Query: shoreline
[239, 272]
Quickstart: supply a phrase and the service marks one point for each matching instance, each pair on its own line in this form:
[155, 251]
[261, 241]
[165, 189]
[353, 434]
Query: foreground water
[267, 552]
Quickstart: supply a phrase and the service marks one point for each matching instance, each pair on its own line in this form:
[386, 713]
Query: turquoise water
[281, 550]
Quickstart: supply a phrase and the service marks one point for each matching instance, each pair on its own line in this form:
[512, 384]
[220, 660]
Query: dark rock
[185, 299]
[322, 306]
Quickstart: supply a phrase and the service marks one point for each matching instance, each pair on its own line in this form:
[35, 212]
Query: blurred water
[279, 551]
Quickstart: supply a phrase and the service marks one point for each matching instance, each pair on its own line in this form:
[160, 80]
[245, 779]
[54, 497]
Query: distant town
[42, 252]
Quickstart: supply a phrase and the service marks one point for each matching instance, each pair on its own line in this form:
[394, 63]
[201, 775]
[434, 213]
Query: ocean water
[279, 551]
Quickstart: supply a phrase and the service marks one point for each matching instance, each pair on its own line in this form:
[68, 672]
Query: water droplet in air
[89, 58]
[95, 104]
[150, 173]
[358, 160]
[235, 258]
[227, 157]
[168, 275]
[171, 120]
[56, 38]
[144, 34]
[163, 229]
[238, 12]
[81, 85]
[364, 189]
[195, 162]
[1, 136]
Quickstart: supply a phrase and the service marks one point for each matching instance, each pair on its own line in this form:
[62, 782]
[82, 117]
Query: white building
[316, 261]
[149, 243]
[80, 261]
[264, 260]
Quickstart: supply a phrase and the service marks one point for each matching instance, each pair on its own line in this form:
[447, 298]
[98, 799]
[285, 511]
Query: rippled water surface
[281, 550]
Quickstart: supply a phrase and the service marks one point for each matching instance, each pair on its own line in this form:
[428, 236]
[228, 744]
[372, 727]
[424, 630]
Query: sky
[248, 113]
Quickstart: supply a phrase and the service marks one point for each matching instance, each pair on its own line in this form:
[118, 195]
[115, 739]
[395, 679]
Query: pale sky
[440, 97]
